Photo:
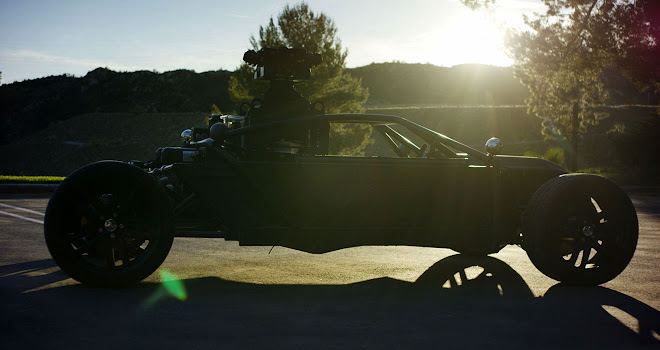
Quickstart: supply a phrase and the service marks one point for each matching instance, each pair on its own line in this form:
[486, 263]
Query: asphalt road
[365, 297]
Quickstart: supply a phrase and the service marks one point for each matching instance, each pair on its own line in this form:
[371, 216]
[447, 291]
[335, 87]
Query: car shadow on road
[458, 302]
[30, 274]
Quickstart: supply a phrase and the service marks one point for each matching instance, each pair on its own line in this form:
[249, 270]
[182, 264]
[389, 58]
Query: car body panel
[318, 202]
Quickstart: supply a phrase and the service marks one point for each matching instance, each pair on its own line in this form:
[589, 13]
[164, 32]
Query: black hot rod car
[280, 175]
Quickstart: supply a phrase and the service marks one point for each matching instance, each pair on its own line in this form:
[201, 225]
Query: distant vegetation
[53, 125]
[398, 83]
[32, 105]
[565, 53]
[466, 84]
[554, 154]
[67, 145]
[31, 179]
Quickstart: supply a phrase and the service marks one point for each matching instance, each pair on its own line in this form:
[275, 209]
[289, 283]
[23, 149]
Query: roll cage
[436, 145]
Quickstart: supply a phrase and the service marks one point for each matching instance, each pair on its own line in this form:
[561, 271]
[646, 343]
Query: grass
[554, 154]
[64, 147]
[598, 171]
[31, 179]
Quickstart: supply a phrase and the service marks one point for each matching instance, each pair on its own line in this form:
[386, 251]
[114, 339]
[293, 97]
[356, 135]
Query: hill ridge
[32, 105]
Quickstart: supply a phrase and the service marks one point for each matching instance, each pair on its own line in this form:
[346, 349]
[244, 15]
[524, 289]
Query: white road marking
[22, 217]
[21, 209]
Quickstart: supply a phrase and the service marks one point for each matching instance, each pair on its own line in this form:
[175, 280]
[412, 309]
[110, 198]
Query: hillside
[67, 145]
[34, 104]
[467, 84]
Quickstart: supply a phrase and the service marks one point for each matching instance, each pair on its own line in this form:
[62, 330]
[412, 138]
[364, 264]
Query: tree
[563, 56]
[300, 27]
[478, 4]
[641, 63]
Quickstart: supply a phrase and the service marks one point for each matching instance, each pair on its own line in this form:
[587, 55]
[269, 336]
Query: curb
[22, 188]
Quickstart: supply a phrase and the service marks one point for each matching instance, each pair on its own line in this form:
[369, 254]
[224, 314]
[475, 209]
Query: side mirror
[186, 135]
[494, 146]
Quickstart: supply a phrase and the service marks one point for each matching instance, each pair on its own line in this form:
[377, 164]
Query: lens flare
[173, 284]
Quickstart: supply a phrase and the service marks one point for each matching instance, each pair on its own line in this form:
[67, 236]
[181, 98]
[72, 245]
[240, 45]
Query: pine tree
[300, 27]
[564, 55]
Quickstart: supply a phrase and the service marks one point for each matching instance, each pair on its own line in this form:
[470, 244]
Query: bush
[30, 179]
[555, 155]
[636, 145]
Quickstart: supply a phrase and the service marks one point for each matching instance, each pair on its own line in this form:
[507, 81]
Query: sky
[40, 38]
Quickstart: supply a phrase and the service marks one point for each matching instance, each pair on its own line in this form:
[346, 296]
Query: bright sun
[470, 39]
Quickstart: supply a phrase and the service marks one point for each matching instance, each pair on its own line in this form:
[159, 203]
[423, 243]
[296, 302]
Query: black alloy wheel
[580, 229]
[109, 224]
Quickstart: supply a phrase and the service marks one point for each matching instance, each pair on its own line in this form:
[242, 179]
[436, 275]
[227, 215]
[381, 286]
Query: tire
[109, 224]
[580, 229]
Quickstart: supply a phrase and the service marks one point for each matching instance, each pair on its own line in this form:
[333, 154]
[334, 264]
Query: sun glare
[470, 38]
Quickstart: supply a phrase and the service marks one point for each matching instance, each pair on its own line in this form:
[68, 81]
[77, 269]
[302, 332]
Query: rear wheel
[580, 229]
[109, 224]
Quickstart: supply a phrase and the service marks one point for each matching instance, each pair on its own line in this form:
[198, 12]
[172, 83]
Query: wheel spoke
[139, 228]
[586, 251]
[110, 255]
[574, 254]
[80, 251]
[480, 275]
[463, 276]
[93, 209]
[88, 244]
[124, 252]
[74, 236]
[107, 201]
[125, 204]
[595, 245]
[596, 219]
[604, 230]
[137, 252]
[139, 234]
[139, 222]
[453, 282]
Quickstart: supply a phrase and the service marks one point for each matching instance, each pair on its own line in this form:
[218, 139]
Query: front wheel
[580, 229]
[109, 224]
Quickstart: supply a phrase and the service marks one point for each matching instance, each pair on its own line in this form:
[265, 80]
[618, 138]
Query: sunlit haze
[42, 38]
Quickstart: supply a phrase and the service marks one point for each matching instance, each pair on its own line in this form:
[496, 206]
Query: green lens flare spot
[173, 284]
